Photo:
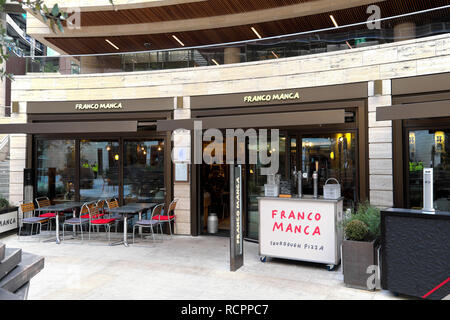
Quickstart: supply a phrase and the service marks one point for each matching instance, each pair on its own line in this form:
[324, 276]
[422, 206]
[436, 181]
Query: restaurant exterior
[99, 135]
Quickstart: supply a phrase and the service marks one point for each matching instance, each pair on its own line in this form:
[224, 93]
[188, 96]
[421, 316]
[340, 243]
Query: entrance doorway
[215, 191]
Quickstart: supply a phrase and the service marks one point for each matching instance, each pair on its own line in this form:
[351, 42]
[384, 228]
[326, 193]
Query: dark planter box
[415, 253]
[357, 256]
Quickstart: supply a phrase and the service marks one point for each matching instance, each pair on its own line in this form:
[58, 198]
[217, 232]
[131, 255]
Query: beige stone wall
[409, 58]
[380, 148]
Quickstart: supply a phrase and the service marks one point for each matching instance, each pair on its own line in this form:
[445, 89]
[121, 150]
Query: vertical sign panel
[236, 236]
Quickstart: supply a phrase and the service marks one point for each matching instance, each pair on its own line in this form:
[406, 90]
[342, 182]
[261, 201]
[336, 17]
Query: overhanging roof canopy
[268, 120]
[422, 110]
[70, 127]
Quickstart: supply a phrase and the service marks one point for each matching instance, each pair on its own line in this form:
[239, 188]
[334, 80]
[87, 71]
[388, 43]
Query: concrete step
[2, 251]
[6, 295]
[22, 293]
[30, 266]
[12, 259]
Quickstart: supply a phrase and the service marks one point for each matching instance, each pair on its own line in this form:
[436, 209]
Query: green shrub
[370, 216]
[4, 203]
[356, 230]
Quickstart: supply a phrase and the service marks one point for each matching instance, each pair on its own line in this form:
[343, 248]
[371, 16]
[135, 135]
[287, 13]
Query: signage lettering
[8, 221]
[273, 97]
[98, 106]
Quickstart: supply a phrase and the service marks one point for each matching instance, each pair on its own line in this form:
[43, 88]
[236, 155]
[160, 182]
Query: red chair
[96, 219]
[45, 202]
[167, 216]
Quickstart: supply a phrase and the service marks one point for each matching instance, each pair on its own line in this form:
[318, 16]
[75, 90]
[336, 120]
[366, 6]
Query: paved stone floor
[180, 268]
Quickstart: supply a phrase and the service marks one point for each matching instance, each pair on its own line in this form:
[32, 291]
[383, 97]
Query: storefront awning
[268, 120]
[69, 127]
[422, 110]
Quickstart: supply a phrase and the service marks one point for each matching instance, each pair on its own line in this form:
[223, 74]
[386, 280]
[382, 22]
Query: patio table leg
[125, 227]
[57, 229]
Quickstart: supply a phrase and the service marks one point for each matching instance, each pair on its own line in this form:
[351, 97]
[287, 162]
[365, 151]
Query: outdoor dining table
[62, 207]
[130, 209]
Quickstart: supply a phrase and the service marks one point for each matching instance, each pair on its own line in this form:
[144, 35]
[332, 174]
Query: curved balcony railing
[428, 23]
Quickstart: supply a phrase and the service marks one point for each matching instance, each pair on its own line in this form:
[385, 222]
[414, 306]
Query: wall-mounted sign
[181, 171]
[272, 97]
[8, 221]
[236, 236]
[98, 106]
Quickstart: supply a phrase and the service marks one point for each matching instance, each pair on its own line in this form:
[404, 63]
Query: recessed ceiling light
[334, 21]
[112, 44]
[256, 32]
[178, 40]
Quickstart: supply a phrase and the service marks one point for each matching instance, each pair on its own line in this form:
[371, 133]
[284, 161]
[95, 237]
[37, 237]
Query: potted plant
[362, 232]
[8, 216]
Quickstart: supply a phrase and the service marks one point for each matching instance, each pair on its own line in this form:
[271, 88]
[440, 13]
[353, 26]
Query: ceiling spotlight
[112, 44]
[178, 40]
[334, 21]
[256, 32]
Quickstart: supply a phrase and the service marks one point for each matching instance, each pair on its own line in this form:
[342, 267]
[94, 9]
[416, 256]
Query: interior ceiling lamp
[256, 32]
[178, 40]
[112, 44]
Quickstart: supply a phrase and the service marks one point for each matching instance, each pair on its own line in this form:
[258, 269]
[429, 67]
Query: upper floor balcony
[338, 38]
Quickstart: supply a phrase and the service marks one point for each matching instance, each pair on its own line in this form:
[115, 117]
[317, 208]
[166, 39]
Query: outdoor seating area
[94, 219]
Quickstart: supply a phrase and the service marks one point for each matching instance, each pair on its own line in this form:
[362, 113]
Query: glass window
[428, 149]
[144, 171]
[99, 170]
[56, 169]
[333, 156]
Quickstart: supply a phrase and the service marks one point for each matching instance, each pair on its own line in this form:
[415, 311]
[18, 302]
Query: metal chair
[149, 223]
[45, 202]
[80, 221]
[95, 219]
[114, 204]
[32, 220]
[167, 216]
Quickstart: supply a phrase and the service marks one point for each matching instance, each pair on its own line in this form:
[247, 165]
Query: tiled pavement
[180, 268]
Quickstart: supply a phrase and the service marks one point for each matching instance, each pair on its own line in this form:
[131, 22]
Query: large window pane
[144, 171]
[333, 156]
[56, 169]
[99, 170]
[428, 149]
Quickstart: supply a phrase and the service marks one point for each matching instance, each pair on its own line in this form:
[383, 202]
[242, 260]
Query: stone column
[232, 55]
[380, 148]
[182, 147]
[405, 31]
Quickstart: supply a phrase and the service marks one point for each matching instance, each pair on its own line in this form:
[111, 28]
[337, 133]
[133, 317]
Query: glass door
[332, 155]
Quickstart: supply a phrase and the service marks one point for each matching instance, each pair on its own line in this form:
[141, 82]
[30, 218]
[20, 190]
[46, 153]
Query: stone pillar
[182, 147]
[380, 147]
[232, 55]
[405, 31]
[3, 66]
[17, 149]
